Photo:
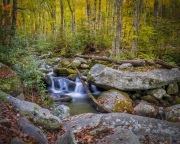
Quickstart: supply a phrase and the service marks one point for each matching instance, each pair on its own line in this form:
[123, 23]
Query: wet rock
[157, 93]
[67, 138]
[71, 86]
[47, 79]
[72, 77]
[63, 71]
[108, 78]
[41, 116]
[31, 130]
[172, 88]
[62, 98]
[173, 113]
[145, 109]
[150, 99]
[61, 112]
[116, 101]
[17, 141]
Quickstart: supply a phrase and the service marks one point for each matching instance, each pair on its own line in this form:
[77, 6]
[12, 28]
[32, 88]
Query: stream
[80, 103]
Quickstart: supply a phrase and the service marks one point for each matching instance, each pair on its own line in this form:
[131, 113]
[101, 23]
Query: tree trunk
[88, 16]
[133, 62]
[62, 17]
[14, 18]
[136, 28]
[95, 3]
[112, 28]
[165, 64]
[156, 14]
[118, 27]
[99, 16]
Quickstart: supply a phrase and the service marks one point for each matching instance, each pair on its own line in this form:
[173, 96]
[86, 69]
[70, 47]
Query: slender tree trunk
[118, 27]
[136, 28]
[95, 3]
[112, 27]
[88, 16]
[62, 17]
[100, 16]
[14, 18]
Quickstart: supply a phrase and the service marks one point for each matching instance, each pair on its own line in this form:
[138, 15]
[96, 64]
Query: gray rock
[145, 109]
[150, 99]
[125, 65]
[75, 63]
[41, 116]
[84, 66]
[31, 130]
[62, 112]
[173, 113]
[116, 101]
[173, 88]
[65, 62]
[17, 141]
[67, 138]
[98, 130]
[157, 93]
[107, 78]
[121, 136]
[83, 61]
[142, 127]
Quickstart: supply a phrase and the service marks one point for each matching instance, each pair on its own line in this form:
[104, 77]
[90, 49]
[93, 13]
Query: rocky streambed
[153, 95]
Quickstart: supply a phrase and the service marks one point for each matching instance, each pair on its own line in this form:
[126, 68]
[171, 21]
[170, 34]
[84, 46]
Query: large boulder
[148, 130]
[116, 101]
[108, 78]
[10, 81]
[67, 138]
[41, 116]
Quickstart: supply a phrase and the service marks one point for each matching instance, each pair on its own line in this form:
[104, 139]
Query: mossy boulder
[116, 101]
[150, 99]
[65, 62]
[10, 82]
[63, 71]
[75, 63]
[172, 88]
[72, 77]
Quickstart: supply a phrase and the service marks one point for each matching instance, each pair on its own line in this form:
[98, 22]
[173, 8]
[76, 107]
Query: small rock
[145, 109]
[65, 62]
[83, 61]
[75, 63]
[125, 65]
[31, 130]
[84, 66]
[158, 93]
[172, 89]
[150, 99]
[62, 112]
[98, 130]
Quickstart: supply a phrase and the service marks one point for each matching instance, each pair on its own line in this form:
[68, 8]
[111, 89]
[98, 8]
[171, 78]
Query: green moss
[123, 106]
[178, 101]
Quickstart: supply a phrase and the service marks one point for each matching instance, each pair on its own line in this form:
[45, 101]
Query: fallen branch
[165, 64]
[133, 62]
[89, 93]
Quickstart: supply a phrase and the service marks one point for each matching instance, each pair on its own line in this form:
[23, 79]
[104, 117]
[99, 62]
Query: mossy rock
[63, 71]
[150, 99]
[72, 77]
[116, 101]
[178, 101]
[11, 85]
[86, 72]
[65, 62]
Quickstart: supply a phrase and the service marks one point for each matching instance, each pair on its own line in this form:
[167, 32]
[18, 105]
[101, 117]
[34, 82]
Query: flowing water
[80, 102]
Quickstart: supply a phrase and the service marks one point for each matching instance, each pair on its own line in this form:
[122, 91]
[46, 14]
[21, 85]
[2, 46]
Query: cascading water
[61, 86]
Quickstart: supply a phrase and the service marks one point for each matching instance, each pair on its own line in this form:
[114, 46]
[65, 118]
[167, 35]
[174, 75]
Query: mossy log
[135, 63]
[165, 64]
[90, 94]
